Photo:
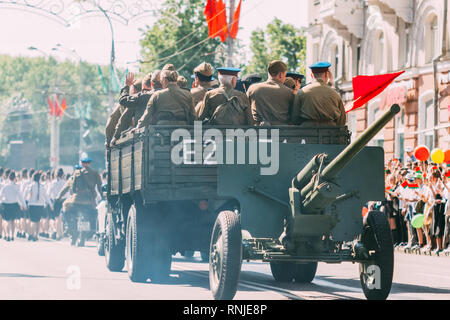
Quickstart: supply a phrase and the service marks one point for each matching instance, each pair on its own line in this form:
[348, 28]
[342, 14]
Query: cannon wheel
[114, 252]
[376, 275]
[225, 256]
[137, 246]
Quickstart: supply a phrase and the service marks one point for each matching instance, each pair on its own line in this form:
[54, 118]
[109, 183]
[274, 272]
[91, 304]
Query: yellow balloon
[438, 156]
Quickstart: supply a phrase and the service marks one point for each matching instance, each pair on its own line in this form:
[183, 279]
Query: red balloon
[422, 153]
[447, 156]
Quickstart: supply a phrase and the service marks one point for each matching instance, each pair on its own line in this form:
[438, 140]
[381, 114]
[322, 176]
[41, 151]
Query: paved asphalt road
[55, 270]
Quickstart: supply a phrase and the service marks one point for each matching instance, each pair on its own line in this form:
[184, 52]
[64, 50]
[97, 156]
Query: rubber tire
[305, 272]
[101, 246]
[225, 287]
[377, 234]
[283, 271]
[114, 253]
[159, 249]
[137, 246]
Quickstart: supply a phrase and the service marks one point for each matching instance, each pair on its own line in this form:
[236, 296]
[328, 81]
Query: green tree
[34, 79]
[278, 42]
[182, 41]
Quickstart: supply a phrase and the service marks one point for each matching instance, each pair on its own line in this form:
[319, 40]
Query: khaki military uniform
[271, 102]
[135, 106]
[171, 104]
[317, 104]
[83, 184]
[112, 122]
[216, 97]
[198, 94]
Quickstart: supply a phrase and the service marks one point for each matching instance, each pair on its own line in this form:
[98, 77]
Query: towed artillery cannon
[323, 221]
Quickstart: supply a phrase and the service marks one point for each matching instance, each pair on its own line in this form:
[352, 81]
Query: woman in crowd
[13, 202]
[37, 200]
[438, 223]
[55, 188]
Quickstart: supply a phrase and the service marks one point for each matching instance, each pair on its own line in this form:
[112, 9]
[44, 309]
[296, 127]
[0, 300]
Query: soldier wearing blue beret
[317, 104]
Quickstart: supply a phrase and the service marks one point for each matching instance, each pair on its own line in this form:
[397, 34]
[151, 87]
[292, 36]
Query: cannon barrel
[339, 163]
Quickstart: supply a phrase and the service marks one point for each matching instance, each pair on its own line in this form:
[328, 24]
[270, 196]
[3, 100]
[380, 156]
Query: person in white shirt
[13, 202]
[37, 200]
[409, 197]
[55, 187]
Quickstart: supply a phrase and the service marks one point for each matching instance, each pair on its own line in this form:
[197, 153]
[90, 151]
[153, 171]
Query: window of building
[426, 124]
[431, 38]
[379, 59]
[315, 52]
[352, 124]
[374, 114]
[336, 61]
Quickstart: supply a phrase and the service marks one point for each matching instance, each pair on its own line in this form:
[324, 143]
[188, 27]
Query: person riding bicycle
[83, 185]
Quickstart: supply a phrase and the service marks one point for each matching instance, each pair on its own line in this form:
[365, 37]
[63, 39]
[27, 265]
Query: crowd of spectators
[418, 188]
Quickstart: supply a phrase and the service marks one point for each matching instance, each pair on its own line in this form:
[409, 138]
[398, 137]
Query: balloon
[437, 155]
[447, 156]
[422, 153]
[417, 221]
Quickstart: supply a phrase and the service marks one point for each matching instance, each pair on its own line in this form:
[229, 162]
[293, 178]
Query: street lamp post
[60, 47]
[54, 125]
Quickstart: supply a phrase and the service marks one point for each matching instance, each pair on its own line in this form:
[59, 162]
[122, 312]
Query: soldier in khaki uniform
[317, 104]
[113, 119]
[170, 105]
[216, 97]
[83, 185]
[202, 82]
[271, 101]
[134, 105]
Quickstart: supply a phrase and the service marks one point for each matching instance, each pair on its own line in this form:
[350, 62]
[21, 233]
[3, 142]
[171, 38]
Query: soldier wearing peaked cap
[203, 76]
[317, 104]
[250, 79]
[297, 77]
[226, 91]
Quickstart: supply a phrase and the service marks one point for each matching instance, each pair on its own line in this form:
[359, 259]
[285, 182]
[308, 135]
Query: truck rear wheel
[159, 251]
[305, 272]
[283, 271]
[225, 256]
[377, 273]
[114, 252]
[137, 245]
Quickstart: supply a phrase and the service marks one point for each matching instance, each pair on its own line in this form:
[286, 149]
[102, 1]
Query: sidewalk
[402, 249]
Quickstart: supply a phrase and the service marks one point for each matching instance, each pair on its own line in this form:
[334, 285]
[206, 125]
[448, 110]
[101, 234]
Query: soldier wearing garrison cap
[134, 104]
[216, 97]
[317, 104]
[172, 105]
[271, 101]
[250, 79]
[203, 76]
[297, 77]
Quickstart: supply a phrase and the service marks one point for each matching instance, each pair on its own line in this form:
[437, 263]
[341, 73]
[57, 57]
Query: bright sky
[91, 38]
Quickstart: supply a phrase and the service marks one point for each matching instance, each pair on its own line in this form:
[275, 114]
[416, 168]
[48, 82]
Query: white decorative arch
[330, 42]
[376, 25]
[425, 9]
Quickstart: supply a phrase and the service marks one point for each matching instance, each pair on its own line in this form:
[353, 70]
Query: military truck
[190, 188]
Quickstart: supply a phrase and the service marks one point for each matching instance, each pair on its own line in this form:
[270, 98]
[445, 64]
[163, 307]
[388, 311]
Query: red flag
[51, 106]
[58, 110]
[211, 17]
[64, 105]
[365, 88]
[222, 21]
[235, 26]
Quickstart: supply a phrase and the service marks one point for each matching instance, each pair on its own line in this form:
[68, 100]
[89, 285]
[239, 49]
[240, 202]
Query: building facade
[383, 36]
